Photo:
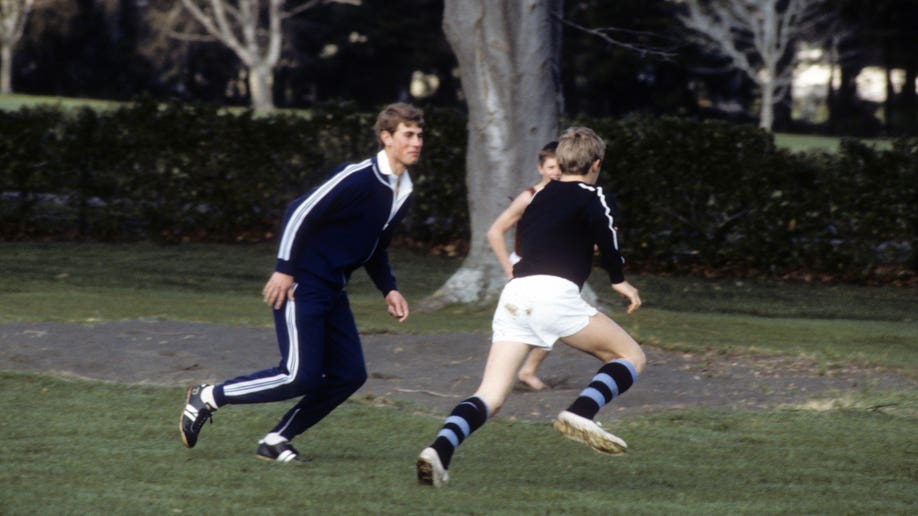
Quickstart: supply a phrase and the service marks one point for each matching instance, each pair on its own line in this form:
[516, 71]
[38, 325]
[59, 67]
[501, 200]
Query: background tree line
[373, 51]
[516, 69]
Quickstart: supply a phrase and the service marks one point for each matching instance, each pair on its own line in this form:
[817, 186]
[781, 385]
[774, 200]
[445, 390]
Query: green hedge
[179, 172]
[717, 196]
[694, 196]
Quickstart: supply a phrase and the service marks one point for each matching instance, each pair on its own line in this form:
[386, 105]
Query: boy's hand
[278, 290]
[627, 290]
[398, 306]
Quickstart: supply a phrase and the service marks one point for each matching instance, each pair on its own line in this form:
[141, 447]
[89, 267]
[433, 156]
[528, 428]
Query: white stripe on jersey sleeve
[602, 200]
[296, 220]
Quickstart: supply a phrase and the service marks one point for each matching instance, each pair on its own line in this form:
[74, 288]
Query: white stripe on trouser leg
[289, 420]
[293, 361]
[293, 349]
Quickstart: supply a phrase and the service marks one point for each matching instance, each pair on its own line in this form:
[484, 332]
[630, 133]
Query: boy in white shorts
[542, 303]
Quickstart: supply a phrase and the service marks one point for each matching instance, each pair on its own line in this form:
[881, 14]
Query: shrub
[712, 195]
[708, 196]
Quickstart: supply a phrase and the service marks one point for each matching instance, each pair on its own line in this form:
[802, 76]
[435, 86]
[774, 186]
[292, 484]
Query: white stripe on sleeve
[302, 211]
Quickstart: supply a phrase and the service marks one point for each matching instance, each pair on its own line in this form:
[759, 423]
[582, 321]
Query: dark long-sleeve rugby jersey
[346, 222]
[559, 228]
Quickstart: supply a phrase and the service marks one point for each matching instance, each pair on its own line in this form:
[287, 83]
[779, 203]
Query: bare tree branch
[313, 3]
[758, 37]
[214, 23]
[252, 29]
[301, 8]
[604, 34]
[198, 38]
[13, 16]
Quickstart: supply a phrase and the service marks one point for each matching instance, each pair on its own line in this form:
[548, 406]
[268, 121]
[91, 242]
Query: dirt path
[433, 372]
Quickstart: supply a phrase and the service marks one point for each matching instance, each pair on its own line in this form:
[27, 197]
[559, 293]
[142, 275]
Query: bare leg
[607, 341]
[469, 415]
[527, 373]
[504, 361]
[623, 360]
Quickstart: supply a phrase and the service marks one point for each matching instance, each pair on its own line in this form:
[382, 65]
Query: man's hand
[398, 307]
[625, 289]
[278, 290]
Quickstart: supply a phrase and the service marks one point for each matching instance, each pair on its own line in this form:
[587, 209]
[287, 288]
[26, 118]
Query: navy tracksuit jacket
[343, 224]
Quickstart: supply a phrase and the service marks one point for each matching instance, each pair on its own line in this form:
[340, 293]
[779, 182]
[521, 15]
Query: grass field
[211, 283]
[13, 102]
[77, 447]
[814, 142]
[90, 448]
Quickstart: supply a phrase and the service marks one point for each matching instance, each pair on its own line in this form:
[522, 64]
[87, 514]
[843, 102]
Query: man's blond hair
[578, 148]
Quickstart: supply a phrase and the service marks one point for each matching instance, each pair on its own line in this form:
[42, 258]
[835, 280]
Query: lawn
[222, 283]
[79, 447]
[13, 102]
[819, 143]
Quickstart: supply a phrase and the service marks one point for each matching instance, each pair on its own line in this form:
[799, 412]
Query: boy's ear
[595, 166]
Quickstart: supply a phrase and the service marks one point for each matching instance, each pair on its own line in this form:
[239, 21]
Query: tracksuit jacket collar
[403, 182]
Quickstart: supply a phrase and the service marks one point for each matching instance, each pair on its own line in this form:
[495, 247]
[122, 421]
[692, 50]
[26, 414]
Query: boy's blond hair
[393, 114]
[578, 148]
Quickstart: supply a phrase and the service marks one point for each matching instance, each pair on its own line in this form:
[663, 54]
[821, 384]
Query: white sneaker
[430, 470]
[589, 432]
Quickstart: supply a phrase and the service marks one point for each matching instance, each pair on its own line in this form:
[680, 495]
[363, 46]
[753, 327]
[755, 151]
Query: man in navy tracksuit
[344, 223]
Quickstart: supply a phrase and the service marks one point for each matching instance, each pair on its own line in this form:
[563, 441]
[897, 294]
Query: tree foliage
[374, 54]
[758, 37]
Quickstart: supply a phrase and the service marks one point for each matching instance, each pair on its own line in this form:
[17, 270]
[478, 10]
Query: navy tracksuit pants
[321, 359]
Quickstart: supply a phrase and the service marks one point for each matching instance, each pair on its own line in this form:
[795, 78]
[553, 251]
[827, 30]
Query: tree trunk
[505, 54]
[767, 111]
[261, 88]
[843, 108]
[13, 16]
[909, 103]
[6, 69]
[238, 26]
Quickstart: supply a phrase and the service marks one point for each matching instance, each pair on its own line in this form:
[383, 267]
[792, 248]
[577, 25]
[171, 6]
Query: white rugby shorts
[538, 310]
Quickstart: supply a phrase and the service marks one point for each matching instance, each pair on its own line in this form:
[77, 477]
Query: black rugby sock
[612, 379]
[465, 418]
